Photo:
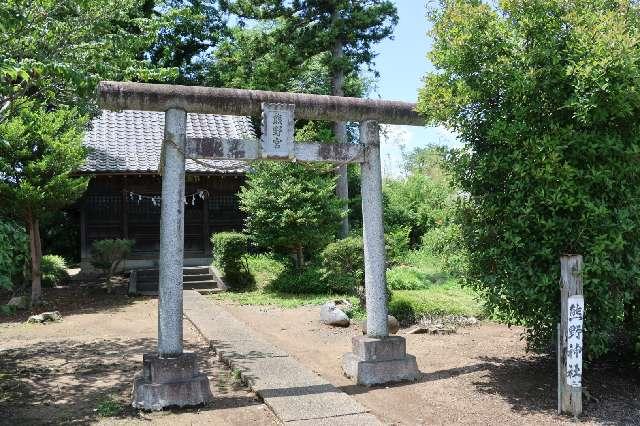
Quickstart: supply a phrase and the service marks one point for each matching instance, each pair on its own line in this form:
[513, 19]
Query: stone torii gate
[170, 377]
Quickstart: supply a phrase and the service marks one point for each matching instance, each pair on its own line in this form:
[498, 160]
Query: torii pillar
[170, 377]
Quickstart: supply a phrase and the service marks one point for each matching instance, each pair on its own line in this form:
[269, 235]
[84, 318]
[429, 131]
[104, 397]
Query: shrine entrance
[170, 376]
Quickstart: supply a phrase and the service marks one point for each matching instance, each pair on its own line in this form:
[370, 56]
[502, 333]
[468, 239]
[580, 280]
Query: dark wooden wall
[108, 211]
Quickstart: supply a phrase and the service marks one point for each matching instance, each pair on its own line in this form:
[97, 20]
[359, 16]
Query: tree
[343, 30]
[544, 95]
[39, 152]
[289, 209]
[190, 30]
[54, 52]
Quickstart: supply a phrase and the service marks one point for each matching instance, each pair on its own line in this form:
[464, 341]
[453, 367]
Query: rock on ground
[20, 302]
[330, 314]
[44, 317]
[393, 323]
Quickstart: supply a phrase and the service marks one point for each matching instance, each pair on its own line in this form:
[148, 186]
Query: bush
[54, 270]
[291, 208]
[406, 278]
[228, 249]
[108, 255]
[546, 105]
[396, 243]
[447, 245]
[300, 281]
[13, 253]
[343, 266]
[417, 203]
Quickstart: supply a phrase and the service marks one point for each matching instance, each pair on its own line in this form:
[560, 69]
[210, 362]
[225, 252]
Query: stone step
[195, 270]
[198, 277]
[200, 284]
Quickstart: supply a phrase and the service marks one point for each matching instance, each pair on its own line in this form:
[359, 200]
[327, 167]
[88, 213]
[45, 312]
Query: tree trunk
[299, 257]
[35, 247]
[340, 127]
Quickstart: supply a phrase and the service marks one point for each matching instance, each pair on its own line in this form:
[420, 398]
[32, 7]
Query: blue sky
[402, 63]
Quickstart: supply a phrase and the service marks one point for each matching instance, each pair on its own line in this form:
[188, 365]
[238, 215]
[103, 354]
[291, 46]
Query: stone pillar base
[376, 361]
[170, 382]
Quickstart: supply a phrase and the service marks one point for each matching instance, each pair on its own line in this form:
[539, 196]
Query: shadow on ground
[529, 386]
[80, 297]
[64, 382]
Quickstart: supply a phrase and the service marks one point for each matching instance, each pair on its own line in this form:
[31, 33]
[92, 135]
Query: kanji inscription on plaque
[277, 130]
[575, 321]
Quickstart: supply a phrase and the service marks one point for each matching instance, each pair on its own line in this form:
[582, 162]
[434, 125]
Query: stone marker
[330, 314]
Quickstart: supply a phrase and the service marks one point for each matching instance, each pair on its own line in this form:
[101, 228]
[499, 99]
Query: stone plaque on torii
[170, 377]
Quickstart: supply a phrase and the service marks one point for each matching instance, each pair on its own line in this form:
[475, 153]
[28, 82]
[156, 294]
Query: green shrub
[446, 244]
[396, 243]
[291, 208]
[418, 203]
[54, 270]
[308, 280]
[407, 278]
[228, 249]
[108, 255]
[13, 253]
[343, 266]
[544, 96]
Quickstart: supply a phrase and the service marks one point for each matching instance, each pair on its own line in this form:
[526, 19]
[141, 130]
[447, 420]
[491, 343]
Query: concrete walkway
[296, 395]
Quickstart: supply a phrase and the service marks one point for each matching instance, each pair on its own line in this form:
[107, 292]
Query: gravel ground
[480, 375]
[67, 372]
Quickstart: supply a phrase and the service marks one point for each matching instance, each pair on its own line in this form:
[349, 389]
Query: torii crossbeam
[377, 357]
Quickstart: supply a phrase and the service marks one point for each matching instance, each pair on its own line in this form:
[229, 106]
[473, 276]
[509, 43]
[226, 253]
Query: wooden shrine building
[123, 197]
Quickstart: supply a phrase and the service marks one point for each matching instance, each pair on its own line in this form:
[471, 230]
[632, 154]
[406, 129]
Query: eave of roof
[129, 142]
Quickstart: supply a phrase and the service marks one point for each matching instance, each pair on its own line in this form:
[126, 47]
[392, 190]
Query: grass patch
[109, 407]
[419, 288]
[445, 299]
[272, 274]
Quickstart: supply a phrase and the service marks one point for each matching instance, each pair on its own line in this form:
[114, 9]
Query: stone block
[169, 370]
[378, 348]
[170, 382]
[370, 373]
[376, 361]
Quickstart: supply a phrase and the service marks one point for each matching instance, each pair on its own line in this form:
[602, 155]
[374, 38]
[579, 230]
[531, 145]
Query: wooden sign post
[570, 332]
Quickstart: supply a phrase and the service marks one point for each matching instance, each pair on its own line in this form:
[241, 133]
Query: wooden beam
[117, 96]
[247, 149]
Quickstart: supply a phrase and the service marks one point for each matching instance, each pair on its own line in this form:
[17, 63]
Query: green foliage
[60, 233]
[54, 270]
[291, 207]
[54, 52]
[343, 265]
[295, 281]
[406, 278]
[446, 243]
[109, 407]
[409, 306]
[544, 95]
[309, 28]
[396, 243]
[39, 154]
[13, 253]
[417, 203]
[229, 249]
[108, 255]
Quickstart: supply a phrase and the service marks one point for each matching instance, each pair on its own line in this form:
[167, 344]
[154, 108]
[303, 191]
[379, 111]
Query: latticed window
[103, 207]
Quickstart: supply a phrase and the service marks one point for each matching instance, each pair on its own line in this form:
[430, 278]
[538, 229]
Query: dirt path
[61, 373]
[481, 375]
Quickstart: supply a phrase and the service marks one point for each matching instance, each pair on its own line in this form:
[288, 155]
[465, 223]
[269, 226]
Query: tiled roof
[130, 141]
